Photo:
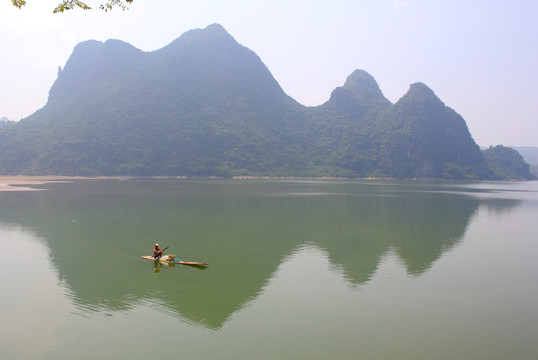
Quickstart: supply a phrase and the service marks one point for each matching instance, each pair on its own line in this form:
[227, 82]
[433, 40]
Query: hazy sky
[480, 57]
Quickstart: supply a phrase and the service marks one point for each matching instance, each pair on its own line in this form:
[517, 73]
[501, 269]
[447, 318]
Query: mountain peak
[214, 33]
[420, 93]
[359, 88]
[420, 90]
[360, 82]
[216, 28]
[363, 85]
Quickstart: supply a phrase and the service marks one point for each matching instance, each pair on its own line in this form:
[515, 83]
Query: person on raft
[157, 252]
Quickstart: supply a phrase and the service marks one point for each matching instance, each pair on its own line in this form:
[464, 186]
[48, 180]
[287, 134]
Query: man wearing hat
[157, 252]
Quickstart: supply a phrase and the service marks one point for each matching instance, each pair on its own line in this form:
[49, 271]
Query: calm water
[298, 270]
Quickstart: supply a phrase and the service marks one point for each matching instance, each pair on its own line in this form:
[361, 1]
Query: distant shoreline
[23, 182]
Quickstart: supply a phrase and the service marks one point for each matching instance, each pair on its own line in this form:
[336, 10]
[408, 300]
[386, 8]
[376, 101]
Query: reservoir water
[298, 269]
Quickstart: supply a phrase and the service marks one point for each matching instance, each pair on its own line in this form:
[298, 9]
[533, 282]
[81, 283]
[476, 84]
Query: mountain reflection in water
[98, 229]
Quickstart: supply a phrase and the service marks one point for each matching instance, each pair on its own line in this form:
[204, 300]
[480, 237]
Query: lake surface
[297, 270]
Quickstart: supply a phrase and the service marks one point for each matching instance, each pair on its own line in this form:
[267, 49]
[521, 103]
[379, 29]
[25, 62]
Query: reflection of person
[157, 252]
[157, 267]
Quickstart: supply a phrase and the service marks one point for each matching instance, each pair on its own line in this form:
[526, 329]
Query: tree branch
[71, 4]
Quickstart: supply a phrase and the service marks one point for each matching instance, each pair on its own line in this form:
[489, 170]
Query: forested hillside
[205, 105]
[530, 155]
[507, 163]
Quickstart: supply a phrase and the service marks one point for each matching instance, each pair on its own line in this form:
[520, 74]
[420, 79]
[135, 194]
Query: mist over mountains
[204, 105]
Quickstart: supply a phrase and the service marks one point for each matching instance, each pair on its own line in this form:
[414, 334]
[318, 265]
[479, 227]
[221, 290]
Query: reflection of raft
[166, 259]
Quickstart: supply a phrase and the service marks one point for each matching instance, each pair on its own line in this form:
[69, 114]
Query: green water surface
[297, 270]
